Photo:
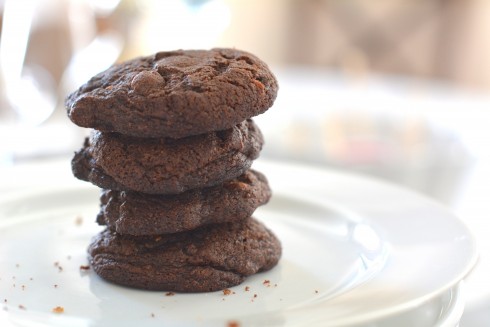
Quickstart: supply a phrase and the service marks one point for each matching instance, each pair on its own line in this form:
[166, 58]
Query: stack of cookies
[172, 148]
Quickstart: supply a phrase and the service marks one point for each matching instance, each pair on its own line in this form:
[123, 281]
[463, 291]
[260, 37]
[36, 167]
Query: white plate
[444, 310]
[354, 251]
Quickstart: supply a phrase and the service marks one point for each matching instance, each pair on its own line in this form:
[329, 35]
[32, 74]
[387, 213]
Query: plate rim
[273, 168]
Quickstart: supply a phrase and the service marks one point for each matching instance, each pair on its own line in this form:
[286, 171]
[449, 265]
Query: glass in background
[48, 47]
[51, 47]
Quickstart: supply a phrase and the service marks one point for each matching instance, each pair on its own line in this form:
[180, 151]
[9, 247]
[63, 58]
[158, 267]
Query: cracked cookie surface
[167, 166]
[207, 259]
[135, 213]
[175, 94]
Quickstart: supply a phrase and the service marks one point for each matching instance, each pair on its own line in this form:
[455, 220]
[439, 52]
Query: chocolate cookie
[167, 166]
[175, 94]
[142, 214]
[207, 259]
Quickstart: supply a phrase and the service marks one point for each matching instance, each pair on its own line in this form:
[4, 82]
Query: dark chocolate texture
[203, 260]
[167, 166]
[175, 94]
[135, 213]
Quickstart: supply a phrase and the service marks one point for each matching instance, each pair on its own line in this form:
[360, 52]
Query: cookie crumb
[58, 309]
[169, 294]
[316, 291]
[22, 307]
[84, 267]
[57, 265]
[23, 287]
[233, 323]
[5, 300]
[55, 285]
[31, 278]
[79, 220]
[226, 291]
[152, 315]
[267, 283]
[247, 288]
[275, 285]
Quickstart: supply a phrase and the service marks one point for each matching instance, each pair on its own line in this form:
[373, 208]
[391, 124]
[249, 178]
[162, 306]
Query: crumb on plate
[227, 291]
[233, 323]
[78, 220]
[58, 309]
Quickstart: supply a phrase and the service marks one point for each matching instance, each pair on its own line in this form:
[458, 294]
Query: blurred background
[396, 89]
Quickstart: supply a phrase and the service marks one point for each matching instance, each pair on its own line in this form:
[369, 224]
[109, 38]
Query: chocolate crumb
[31, 278]
[57, 265]
[58, 309]
[169, 294]
[233, 323]
[84, 267]
[255, 296]
[267, 283]
[316, 291]
[5, 300]
[247, 288]
[152, 315]
[55, 285]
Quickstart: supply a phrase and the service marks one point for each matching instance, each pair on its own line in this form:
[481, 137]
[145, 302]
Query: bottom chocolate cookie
[204, 260]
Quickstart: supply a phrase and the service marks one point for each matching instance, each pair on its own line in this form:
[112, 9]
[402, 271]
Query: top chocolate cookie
[175, 94]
